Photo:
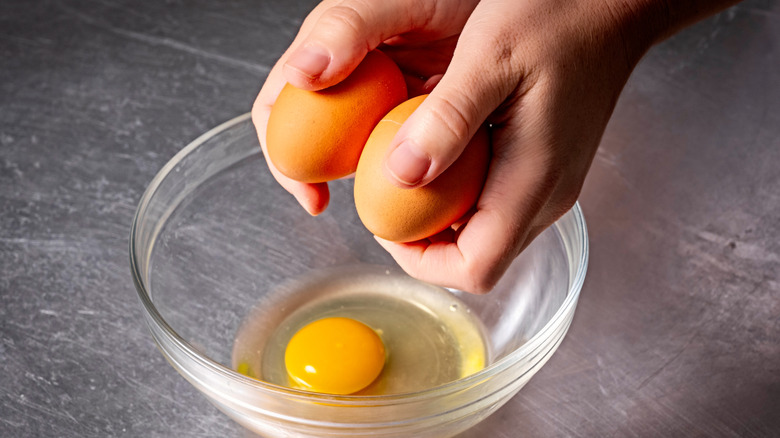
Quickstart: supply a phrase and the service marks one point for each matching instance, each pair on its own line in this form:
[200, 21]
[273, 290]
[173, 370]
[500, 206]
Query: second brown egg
[406, 215]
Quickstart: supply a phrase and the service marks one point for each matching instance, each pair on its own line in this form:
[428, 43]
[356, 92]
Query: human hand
[333, 40]
[545, 75]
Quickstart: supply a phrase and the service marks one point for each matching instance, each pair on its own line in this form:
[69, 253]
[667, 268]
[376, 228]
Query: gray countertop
[678, 328]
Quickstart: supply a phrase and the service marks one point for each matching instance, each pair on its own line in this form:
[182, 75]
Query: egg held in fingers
[317, 136]
[406, 215]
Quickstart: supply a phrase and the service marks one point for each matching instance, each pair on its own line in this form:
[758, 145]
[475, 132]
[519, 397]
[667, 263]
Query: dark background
[677, 331]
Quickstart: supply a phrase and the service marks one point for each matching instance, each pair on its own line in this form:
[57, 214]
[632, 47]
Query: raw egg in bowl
[230, 269]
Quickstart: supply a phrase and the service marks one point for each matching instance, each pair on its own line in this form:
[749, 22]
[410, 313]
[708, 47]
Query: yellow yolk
[334, 356]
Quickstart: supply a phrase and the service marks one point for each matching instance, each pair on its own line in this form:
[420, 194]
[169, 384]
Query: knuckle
[570, 198]
[429, 10]
[503, 53]
[564, 204]
[344, 17]
[453, 118]
[480, 278]
[256, 114]
[502, 62]
[560, 203]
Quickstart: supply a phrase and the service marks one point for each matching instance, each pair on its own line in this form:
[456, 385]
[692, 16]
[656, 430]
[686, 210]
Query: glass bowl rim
[154, 316]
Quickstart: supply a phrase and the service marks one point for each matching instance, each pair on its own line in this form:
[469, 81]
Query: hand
[333, 40]
[545, 75]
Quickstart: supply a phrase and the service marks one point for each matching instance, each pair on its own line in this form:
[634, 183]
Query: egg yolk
[335, 356]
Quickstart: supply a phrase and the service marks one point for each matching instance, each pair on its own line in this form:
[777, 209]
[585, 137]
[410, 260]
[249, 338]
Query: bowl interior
[215, 233]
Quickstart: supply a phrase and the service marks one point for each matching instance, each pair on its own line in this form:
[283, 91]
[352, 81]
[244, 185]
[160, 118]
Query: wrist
[644, 23]
[665, 18]
[640, 23]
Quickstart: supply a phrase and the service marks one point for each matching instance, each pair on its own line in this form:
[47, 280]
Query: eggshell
[406, 215]
[317, 136]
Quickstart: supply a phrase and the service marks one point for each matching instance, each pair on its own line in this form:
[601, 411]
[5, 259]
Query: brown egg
[406, 215]
[317, 136]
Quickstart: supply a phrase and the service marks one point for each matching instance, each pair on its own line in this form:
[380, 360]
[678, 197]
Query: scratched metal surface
[677, 332]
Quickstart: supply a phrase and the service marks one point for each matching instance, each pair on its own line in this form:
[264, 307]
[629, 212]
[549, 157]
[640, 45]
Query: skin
[546, 75]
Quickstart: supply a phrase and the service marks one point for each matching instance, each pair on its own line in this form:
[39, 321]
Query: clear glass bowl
[214, 233]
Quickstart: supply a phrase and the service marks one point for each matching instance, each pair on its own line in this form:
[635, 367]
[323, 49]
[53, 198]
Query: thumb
[436, 134]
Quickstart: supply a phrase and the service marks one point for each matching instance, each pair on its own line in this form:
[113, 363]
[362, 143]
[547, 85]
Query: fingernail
[431, 83]
[407, 164]
[310, 60]
[309, 210]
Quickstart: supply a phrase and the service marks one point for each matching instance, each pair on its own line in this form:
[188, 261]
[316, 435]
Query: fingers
[313, 198]
[544, 78]
[527, 188]
[337, 34]
[483, 248]
[473, 261]
[542, 148]
[479, 78]
[474, 257]
[331, 43]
